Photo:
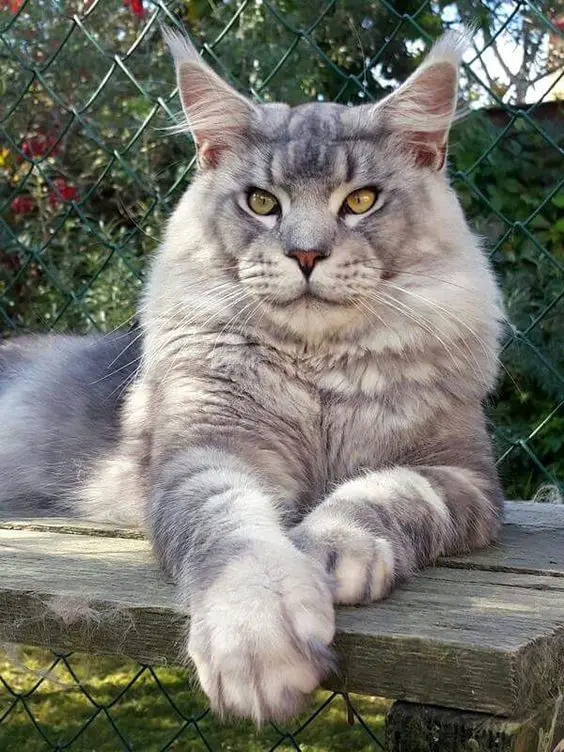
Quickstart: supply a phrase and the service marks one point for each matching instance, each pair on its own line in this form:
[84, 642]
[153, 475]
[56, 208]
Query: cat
[297, 422]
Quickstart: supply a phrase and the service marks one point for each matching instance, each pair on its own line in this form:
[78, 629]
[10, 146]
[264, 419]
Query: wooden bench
[472, 650]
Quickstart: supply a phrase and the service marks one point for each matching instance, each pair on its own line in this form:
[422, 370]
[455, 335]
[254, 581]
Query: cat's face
[325, 222]
[316, 215]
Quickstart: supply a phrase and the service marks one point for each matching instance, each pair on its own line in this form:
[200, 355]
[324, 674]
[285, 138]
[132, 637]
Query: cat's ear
[217, 115]
[421, 111]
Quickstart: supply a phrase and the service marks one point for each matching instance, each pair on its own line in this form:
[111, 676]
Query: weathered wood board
[426, 728]
[482, 633]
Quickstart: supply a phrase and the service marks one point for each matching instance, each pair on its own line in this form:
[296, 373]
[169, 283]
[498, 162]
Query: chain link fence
[89, 176]
[75, 701]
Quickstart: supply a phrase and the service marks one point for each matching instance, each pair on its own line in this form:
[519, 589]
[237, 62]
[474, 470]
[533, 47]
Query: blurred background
[89, 174]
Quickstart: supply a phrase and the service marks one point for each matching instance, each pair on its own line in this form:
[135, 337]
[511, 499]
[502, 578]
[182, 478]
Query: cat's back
[60, 363]
[59, 406]
[15, 355]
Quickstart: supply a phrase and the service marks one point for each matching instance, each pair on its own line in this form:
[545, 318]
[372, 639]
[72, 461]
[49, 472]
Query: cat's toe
[260, 645]
[362, 567]
[273, 690]
[363, 576]
[269, 681]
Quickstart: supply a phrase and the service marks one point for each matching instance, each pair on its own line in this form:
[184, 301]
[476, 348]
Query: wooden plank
[534, 514]
[527, 550]
[473, 639]
[98, 594]
[421, 728]
[74, 526]
[531, 542]
[492, 648]
[488, 576]
[522, 513]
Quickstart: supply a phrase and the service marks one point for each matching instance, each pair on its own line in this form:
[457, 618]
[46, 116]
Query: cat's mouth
[307, 298]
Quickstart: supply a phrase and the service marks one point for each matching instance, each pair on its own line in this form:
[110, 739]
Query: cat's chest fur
[329, 414]
[366, 417]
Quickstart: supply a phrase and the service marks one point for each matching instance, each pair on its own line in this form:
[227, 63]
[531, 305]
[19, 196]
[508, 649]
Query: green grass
[143, 715]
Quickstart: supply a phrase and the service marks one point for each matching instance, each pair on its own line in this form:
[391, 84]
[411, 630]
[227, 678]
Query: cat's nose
[306, 259]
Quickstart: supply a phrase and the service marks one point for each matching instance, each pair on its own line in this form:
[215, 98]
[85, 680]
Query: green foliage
[88, 173]
[509, 180]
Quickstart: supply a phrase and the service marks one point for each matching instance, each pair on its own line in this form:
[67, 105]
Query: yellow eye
[359, 202]
[262, 202]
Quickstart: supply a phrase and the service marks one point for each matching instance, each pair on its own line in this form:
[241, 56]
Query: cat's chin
[308, 300]
[315, 318]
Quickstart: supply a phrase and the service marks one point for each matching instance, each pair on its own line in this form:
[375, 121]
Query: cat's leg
[375, 530]
[261, 615]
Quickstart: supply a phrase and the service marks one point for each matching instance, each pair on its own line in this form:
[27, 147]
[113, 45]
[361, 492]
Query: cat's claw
[260, 635]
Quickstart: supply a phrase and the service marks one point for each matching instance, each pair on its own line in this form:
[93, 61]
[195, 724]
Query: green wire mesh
[89, 175]
[66, 701]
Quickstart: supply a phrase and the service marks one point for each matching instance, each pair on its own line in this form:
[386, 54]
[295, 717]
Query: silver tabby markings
[303, 424]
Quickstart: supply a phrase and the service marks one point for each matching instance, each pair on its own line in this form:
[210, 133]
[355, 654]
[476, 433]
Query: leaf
[539, 223]
[558, 200]
[512, 185]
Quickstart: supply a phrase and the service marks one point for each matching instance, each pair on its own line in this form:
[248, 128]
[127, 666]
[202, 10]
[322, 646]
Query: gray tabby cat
[304, 424]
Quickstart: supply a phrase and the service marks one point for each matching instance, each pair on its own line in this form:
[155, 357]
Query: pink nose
[306, 260]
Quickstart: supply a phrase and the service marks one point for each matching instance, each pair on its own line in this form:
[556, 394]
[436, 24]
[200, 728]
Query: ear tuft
[449, 48]
[179, 45]
[217, 115]
[422, 110]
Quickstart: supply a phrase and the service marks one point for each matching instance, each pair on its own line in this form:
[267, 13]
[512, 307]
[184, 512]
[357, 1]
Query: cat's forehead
[308, 141]
[314, 120]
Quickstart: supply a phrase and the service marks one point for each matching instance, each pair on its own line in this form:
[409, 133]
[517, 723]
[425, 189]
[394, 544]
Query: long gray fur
[287, 443]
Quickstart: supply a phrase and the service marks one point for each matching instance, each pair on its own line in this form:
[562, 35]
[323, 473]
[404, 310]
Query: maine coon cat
[303, 423]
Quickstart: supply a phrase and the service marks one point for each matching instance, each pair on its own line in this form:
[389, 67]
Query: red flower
[62, 191]
[13, 5]
[22, 205]
[33, 147]
[136, 6]
[37, 146]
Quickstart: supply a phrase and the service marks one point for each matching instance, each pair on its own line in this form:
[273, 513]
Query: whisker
[365, 305]
[395, 270]
[125, 383]
[185, 323]
[117, 370]
[488, 351]
[403, 309]
[126, 348]
[442, 309]
[119, 326]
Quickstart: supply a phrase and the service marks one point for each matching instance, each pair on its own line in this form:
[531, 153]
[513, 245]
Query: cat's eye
[262, 202]
[360, 201]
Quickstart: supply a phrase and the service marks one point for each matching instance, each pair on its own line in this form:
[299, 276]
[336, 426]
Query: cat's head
[321, 220]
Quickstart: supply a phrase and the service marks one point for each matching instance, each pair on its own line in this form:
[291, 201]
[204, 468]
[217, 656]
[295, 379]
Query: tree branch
[493, 45]
[491, 82]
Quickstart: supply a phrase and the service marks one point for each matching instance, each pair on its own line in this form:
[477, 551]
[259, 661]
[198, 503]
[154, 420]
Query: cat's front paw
[362, 565]
[260, 635]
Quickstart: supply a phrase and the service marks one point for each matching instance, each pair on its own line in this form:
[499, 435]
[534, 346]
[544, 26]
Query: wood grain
[482, 633]
[422, 728]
